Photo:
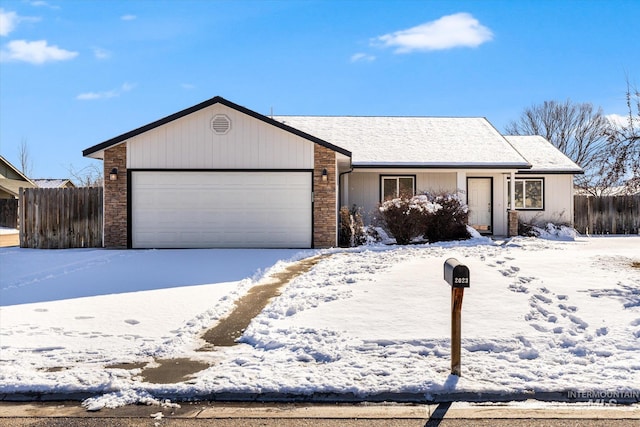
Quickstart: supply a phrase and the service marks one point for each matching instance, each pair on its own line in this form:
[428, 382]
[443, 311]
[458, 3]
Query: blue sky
[76, 73]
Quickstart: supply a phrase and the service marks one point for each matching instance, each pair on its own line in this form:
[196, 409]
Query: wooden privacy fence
[607, 214]
[60, 218]
[9, 213]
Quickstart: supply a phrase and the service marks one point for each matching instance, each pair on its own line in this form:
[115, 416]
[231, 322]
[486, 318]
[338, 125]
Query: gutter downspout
[340, 184]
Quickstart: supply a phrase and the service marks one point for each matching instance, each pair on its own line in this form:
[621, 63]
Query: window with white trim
[529, 193]
[397, 186]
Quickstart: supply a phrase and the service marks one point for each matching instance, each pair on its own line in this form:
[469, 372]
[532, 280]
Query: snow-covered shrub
[352, 232]
[405, 217]
[547, 230]
[450, 221]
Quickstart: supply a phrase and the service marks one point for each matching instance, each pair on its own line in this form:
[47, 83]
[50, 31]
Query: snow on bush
[450, 221]
[352, 231]
[434, 216]
[549, 231]
[556, 232]
[405, 217]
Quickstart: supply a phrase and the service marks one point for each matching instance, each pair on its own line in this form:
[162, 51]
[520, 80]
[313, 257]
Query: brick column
[512, 223]
[325, 220]
[115, 198]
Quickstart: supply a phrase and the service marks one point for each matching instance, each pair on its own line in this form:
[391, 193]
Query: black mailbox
[456, 274]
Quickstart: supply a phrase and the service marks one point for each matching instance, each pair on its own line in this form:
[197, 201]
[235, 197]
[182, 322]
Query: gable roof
[11, 179]
[53, 183]
[97, 150]
[543, 156]
[429, 142]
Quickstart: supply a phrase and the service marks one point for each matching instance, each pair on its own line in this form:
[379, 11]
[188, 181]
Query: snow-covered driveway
[540, 315]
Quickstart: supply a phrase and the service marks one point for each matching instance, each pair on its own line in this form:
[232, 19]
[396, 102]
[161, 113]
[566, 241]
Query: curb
[209, 410]
[350, 398]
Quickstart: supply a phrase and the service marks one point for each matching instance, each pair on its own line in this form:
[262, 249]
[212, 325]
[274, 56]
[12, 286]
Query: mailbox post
[457, 276]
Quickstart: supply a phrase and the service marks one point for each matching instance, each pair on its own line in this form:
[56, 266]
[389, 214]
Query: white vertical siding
[436, 182]
[558, 200]
[189, 143]
[364, 192]
[363, 188]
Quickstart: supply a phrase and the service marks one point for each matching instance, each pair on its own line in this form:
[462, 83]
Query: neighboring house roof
[11, 179]
[619, 190]
[97, 150]
[434, 142]
[543, 156]
[54, 183]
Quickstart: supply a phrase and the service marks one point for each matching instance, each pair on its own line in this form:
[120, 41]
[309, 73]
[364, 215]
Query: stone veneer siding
[115, 198]
[512, 223]
[325, 218]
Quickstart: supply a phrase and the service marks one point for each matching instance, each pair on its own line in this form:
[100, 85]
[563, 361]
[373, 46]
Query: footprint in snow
[518, 288]
[131, 321]
[571, 308]
[539, 328]
[511, 271]
[543, 299]
[579, 322]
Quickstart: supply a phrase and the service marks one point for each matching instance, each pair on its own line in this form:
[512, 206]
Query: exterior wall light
[325, 175]
[113, 175]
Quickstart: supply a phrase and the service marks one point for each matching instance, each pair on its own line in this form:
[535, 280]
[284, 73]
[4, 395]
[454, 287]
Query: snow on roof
[50, 183]
[542, 155]
[413, 141]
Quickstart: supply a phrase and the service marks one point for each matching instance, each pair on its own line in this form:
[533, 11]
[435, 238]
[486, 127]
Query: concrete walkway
[228, 330]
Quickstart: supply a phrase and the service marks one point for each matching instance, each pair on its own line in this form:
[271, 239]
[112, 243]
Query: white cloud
[36, 52]
[457, 30]
[359, 57]
[8, 22]
[100, 53]
[89, 96]
[128, 17]
[620, 120]
[40, 3]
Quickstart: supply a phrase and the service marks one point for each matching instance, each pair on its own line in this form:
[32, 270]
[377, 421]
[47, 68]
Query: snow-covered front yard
[540, 315]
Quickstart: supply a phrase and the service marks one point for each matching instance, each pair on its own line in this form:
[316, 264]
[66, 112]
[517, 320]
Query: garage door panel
[221, 209]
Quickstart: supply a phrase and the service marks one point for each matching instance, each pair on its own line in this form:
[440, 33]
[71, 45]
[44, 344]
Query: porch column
[512, 184]
[461, 185]
[512, 221]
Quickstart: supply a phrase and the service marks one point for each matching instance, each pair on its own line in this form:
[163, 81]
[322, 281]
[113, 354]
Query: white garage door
[221, 209]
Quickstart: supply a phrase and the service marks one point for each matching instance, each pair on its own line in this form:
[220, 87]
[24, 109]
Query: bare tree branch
[88, 176]
[580, 131]
[622, 166]
[24, 157]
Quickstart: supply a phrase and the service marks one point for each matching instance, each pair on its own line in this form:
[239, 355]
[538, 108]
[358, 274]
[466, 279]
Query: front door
[480, 204]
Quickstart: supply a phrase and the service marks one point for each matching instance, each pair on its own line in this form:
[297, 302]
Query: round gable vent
[220, 124]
